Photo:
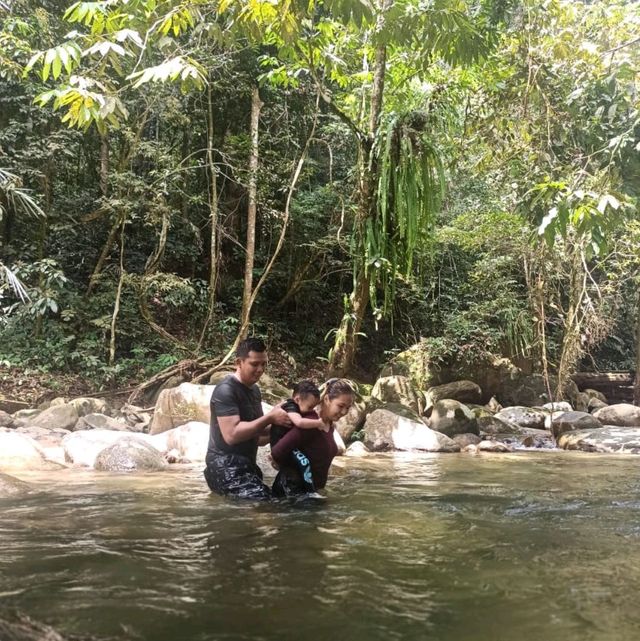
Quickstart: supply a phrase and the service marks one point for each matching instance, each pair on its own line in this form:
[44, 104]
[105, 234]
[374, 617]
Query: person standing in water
[316, 445]
[238, 426]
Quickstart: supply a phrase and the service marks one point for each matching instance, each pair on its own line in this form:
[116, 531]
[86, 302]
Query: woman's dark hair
[335, 387]
[252, 344]
[306, 388]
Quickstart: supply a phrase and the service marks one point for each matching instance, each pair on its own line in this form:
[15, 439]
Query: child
[303, 416]
[312, 449]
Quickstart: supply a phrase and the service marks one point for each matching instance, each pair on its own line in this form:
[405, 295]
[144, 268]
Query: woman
[318, 446]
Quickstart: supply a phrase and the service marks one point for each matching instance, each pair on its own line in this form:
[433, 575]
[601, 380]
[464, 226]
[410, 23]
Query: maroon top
[318, 446]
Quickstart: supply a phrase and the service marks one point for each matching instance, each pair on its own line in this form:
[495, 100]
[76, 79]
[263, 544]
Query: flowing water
[517, 547]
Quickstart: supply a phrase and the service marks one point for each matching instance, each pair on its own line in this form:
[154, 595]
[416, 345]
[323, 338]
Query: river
[511, 547]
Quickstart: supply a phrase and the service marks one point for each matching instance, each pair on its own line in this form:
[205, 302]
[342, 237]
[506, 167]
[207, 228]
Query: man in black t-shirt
[238, 426]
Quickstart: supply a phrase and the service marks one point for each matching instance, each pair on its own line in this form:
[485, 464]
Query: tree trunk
[346, 340]
[256, 105]
[104, 165]
[636, 382]
[213, 221]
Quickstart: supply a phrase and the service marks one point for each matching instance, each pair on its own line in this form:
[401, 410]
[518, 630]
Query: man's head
[251, 360]
[306, 395]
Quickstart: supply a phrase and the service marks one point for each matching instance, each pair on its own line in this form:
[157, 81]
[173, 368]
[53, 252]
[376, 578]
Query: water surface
[524, 546]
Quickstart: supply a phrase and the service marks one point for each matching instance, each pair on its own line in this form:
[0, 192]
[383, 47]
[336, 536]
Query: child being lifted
[293, 461]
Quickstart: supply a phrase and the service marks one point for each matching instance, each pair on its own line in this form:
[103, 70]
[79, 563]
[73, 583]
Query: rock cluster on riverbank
[87, 432]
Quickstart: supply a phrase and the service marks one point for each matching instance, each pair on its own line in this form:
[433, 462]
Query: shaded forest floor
[34, 386]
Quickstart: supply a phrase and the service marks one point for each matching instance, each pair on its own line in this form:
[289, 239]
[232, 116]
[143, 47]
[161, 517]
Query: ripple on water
[407, 547]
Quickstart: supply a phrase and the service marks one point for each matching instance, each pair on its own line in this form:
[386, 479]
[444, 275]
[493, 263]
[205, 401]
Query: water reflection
[408, 547]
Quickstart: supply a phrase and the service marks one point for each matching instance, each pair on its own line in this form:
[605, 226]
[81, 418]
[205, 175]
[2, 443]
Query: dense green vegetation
[345, 177]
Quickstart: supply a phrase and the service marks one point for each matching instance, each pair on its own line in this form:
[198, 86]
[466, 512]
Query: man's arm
[235, 431]
[292, 440]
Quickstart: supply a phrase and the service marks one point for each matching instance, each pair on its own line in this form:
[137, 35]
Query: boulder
[463, 440]
[609, 439]
[11, 486]
[353, 420]
[6, 420]
[19, 627]
[190, 440]
[595, 405]
[523, 416]
[452, 417]
[581, 402]
[272, 391]
[137, 419]
[129, 455]
[179, 405]
[397, 389]
[100, 422]
[521, 389]
[64, 416]
[558, 406]
[492, 425]
[538, 439]
[357, 449]
[45, 436]
[593, 393]
[19, 452]
[572, 421]
[86, 406]
[493, 446]
[463, 391]
[82, 448]
[26, 415]
[384, 430]
[621, 415]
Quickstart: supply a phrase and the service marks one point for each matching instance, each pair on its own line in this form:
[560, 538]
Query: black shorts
[235, 475]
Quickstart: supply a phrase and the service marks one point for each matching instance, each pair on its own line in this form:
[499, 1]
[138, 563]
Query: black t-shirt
[232, 398]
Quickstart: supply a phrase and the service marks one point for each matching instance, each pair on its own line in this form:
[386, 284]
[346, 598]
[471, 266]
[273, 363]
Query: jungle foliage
[460, 171]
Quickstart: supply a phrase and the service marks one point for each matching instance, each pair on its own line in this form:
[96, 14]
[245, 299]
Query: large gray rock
[44, 436]
[86, 406]
[11, 486]
[179, 405]
[558, 406]
[384, 430]
[493, 446]
[573, 421]
[464, 440]
[100, 422]
[357, 449]
[19, 452]
[129, 455]
[82, 448]
[609, 439]
[452, 417]
[6, 420]
[595, 404]
[397, 389]
[463, 391]
[523, 416]
[63, 416]
[621, 414]
[492, 425]
[190, 440]
[594, 393]
[353, 420]
[18, 627]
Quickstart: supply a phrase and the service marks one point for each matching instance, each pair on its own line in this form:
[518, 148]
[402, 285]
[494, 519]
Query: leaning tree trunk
[346, 339]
